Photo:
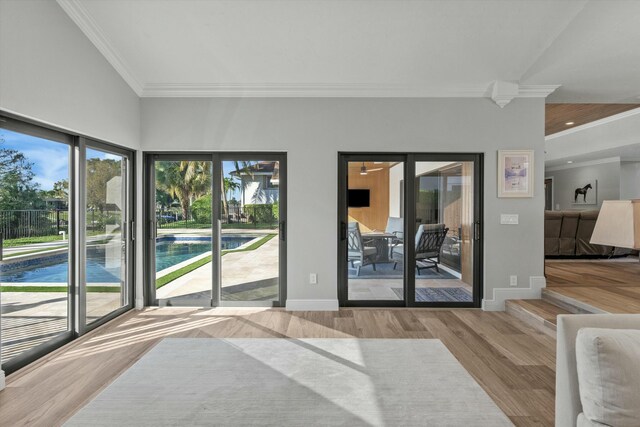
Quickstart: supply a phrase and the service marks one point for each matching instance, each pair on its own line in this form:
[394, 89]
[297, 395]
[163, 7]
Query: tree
[17, 189]
[99, 172]
[60, 191]
[184, 180]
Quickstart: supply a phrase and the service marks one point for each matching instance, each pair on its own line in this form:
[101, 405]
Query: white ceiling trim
[322, 90]
[590, 125]
[94, 33]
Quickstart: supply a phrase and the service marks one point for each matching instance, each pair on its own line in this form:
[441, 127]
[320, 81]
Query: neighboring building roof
[270, 168]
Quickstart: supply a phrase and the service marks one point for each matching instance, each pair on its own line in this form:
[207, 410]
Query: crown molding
[78, 14]
[312, 90]
[322, 90]
[593, 124]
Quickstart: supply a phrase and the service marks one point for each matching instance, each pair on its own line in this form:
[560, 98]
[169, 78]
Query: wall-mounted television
[358, 198]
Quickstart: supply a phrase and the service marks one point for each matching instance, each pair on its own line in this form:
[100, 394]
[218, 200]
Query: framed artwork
[584, 192]
[515, 173]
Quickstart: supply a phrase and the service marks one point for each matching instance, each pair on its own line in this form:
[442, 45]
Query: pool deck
[32, 318]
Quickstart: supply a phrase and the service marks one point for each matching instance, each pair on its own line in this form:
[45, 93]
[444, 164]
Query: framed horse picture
[584, 192]
[515, 173]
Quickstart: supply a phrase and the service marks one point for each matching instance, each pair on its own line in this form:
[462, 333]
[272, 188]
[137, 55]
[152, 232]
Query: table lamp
[618, 224]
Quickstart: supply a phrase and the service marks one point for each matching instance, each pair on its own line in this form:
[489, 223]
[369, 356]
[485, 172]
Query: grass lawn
[11, 243]
[168, 278]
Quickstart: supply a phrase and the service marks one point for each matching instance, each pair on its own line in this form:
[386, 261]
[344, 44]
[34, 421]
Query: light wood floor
[510, 360]
[610, 285]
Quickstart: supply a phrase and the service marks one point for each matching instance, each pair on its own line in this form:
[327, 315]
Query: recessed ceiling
[367, 48]
[560, 117]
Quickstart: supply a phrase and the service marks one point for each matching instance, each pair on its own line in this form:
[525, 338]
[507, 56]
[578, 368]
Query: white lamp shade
[618, 224]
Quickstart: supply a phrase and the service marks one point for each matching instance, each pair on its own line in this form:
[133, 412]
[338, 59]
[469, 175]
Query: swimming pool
[169, 252]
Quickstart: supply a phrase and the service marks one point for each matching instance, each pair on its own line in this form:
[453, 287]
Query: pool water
[58, 272]
[167, 254]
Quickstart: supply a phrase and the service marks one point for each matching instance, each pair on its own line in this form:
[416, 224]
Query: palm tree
[184, 180]
[228, 185]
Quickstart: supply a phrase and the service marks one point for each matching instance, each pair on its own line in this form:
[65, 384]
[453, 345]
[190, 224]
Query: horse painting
[582, 191]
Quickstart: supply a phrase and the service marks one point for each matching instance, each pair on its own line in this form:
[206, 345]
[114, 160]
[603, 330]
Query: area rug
[438, 294]
[386, 271]
[287, 382]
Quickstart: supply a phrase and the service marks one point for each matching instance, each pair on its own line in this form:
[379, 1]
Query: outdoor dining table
[380, 240]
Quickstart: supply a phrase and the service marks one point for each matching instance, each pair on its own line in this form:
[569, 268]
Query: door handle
[283, 231]
[343, 230]
[152, 230]
[476, 231]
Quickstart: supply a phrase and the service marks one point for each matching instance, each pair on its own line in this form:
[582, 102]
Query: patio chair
[395, 226]
[429, 240]
[357, 251]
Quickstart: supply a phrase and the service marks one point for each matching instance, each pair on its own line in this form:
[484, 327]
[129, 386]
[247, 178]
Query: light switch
[509, 219]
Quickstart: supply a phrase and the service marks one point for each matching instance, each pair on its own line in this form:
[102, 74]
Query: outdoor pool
[169, 252]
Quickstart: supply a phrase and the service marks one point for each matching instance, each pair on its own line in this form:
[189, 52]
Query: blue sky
[50, 159]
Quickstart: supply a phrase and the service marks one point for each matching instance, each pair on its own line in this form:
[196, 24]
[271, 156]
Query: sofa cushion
[608, 375]
[585, 422]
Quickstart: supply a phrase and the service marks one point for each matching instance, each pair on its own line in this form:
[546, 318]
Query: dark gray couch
[567, 234]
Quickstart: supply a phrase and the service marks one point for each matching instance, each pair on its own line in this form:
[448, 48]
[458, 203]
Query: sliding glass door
[216, 229]
[410, 229]
[65, 258]
[106, 261]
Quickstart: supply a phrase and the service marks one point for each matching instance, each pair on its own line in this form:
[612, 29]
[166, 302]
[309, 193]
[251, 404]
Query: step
[570, 304]
[540, 314]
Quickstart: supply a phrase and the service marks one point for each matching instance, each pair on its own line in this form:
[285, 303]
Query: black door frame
[149, 228]
[409, 160]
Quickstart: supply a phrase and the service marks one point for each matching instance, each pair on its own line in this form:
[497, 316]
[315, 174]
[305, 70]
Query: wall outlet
[313, 278]
[513, 280]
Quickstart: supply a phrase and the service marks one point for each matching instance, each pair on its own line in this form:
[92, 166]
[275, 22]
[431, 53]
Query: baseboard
[500, 295]
[139, 304]
[312, 305]
[2, 382]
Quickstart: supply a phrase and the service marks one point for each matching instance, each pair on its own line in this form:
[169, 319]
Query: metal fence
[17, 224]
[263, 215]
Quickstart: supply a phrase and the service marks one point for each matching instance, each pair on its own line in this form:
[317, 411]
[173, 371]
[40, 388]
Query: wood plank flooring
[512, 362]
[609, 285]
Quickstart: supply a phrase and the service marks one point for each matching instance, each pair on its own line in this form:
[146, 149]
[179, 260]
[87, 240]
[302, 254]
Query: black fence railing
[17, 224]
[259, 215]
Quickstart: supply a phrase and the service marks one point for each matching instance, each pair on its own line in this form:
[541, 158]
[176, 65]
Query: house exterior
[259, 183]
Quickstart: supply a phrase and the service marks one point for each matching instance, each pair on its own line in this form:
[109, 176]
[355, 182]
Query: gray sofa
[568, 404]
[567, 234]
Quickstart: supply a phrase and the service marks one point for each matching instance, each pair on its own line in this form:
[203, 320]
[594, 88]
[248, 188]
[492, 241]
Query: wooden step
[569, 302]
[540, 314]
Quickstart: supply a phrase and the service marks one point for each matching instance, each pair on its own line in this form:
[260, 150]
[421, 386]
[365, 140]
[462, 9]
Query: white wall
[629, 180]
[567, 178]
[313, 131]
[51, 72]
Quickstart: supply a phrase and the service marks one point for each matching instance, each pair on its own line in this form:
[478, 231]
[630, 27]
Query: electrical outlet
[509, 219]
[513, 280]
[313, 279]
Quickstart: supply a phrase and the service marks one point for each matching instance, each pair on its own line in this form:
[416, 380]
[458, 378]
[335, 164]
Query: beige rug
[293, 382]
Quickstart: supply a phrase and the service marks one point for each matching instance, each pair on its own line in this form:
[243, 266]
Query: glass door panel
[374, 231]
[183, 232]
[444, 216]
[106, 266]
[34, 237]
[250, 231]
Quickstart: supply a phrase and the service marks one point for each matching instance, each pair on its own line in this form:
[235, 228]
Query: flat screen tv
[358, 198]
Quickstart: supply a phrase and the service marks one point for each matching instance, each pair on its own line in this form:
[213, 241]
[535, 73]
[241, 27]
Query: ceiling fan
[364, 170]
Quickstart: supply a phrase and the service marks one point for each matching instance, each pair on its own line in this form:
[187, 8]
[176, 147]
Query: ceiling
[557, 116]
[368, 48]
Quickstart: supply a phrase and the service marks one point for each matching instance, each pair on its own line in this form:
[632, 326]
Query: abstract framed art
[515, 173]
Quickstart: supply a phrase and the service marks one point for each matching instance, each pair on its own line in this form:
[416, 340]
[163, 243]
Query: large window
[52, 251]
